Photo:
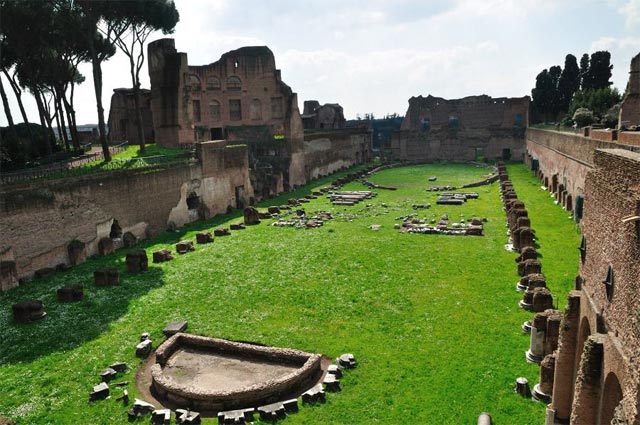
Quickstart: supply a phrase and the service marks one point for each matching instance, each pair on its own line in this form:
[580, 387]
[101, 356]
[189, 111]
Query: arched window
[213, 83]
[256, 109]
[214, 110]
[234, 83]
[194, 83]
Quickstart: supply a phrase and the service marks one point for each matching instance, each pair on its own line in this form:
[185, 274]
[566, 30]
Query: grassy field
[432, 320]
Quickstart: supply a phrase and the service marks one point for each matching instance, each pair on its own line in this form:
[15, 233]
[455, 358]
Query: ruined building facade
[242, 99]
[122, 116]
[630, 108]
[596, 378]
[470, 128]
[597, 374]
[322, 117]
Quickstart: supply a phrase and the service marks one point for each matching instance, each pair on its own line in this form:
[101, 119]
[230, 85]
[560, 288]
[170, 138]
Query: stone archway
[611, 396]
[583, 334]
[569, 203]
[554, 183]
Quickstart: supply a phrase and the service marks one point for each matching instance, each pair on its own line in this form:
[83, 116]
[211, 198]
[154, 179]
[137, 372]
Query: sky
[371, 56]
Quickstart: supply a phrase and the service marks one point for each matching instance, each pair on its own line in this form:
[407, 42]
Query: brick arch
[554, 183]
[611, 397]
[583, 333]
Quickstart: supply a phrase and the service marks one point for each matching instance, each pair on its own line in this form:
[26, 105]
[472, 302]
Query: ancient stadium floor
[432, 320]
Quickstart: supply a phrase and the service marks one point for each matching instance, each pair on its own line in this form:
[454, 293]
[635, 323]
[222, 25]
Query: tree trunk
[63, 124]
[18, 93]
[43, 125]
[73, 113]
[7, 111]
[136, 100]
[72, 128]
[97, 85]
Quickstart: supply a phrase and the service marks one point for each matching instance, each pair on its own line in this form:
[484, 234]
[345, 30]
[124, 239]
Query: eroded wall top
[467, 113]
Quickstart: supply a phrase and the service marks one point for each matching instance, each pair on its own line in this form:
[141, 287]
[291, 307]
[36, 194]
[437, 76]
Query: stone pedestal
[76, 252]
[8, 275]
[70, 293]
[544, 390]
[587, 390]
[529, 267]
[28, 311]
[137, 261]
[162, 255]
[522, 387]
[542, 299]
[221, 231]
[105, 246]
[565, 358]
[204, 237]
[108, 276]
[251, 216]
[183, 247]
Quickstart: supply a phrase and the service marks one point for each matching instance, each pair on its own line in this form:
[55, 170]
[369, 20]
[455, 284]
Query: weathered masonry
[471, 128]
[61, 222]
[597, 375]
[241, 98]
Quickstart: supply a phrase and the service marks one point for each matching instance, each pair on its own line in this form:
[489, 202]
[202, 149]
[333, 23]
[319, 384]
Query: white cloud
[631, 12]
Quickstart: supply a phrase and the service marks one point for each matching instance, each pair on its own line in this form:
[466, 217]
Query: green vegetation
[432, 320]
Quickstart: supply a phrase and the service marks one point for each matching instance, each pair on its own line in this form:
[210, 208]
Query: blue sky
[373, 55]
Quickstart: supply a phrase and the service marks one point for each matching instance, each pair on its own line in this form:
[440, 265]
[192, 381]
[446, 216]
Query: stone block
[272, 412]
[129, 240]
[108, 374]
[221, 231]
[346, 361]
[183, 247]
[331, 383]
[100, 392]
[143, 349]
[161, 417]
[273, 210]
[527, 253]
[251, 216]
[542, 299]
[76, 252]
[106, 246]
[184, 416]
[8, 275]
[204, 237]
[333, 369]
[28, 311]
[70, 293]
[237, 226]
[119, 367]
[107, 276]
[174, 327]
[45, 272]
[314, 395]
[137, 261]
[241, 416]
[162, 255]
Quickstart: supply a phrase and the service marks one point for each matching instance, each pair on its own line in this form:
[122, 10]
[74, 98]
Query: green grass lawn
[432, 320]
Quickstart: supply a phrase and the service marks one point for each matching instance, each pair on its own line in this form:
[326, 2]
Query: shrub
[583, 117]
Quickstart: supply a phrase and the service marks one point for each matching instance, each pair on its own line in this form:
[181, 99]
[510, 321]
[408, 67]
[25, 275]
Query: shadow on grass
[68, 325]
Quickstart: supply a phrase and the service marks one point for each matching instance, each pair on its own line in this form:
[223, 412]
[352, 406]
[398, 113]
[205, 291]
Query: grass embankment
[432, 320]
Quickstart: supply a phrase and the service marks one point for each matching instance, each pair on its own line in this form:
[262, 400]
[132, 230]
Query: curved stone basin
[210, 374]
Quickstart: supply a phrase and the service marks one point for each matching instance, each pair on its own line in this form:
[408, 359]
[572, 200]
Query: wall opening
[611, 396]
[569, 203]
[116, 230]
[193, 201]
[579, 207]
[608, 283]
[583, 334]
[583, 249]
[506, 154]
[217, 133]
[240, 197]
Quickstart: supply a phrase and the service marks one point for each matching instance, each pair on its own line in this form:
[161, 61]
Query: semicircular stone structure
[211, 374]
